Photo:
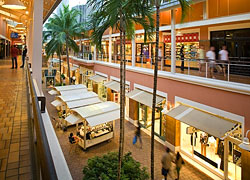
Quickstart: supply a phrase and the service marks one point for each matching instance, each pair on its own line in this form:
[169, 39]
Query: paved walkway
[14, 137]
[77, 158]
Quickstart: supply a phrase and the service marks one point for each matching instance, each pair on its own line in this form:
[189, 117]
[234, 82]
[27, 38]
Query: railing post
[206, 69]
[151, 62]
[102, 57]
[141, 61]
[228, 72]
[188, 66]
[161, 63]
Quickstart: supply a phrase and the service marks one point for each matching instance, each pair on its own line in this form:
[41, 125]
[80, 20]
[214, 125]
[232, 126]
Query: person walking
[182, 58]
[223, 56]
[179, 162]
[166, 161]
[24, 56]
[211, 59]
[14, 54]
[138, 135]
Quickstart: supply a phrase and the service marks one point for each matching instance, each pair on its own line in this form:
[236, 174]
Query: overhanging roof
[144, 97]
[97, 78]
[202, 120]
[114, 85]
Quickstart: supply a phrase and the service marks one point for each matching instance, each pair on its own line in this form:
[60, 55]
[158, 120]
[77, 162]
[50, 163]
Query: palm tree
[65, 27]
[184, 5]
[121, 15]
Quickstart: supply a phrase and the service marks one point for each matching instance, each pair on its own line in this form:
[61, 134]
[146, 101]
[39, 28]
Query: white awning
[70, 87]
[201, 120]
[83, 102]
[53, 92]
[99, 113]
[73, 68]
[77, 96]
[98, 78]
[144, 97]
[75, 91]
[56, 103]
[114, 85]
[73, 119]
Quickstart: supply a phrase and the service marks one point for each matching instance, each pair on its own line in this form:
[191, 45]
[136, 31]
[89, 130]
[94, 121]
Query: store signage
[126, 41]
[190, 37]
[14, 35]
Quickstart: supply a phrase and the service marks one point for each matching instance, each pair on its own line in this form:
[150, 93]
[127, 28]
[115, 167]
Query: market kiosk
[98, 122]
[98, 87]
[69, 89]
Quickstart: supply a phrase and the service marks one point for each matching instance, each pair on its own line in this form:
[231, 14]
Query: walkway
[77, 158]
[14, 135]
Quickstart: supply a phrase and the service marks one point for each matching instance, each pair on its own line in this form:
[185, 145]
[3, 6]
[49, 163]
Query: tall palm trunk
[155, 87]
[67, 54]
[60, 64]
[122, 94]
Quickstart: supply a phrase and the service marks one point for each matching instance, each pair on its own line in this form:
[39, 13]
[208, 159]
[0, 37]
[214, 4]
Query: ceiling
[25, 15]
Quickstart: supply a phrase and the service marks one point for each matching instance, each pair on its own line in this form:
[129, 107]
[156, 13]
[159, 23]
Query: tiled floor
[14, 135]
[77, 158]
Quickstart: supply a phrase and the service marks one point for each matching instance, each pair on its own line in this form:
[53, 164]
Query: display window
[145, 118]
[210, 151]
[116, 50]
[86, 73]
[102, 91]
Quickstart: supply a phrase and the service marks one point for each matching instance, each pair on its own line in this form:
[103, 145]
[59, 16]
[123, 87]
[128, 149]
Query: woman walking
[179, 162]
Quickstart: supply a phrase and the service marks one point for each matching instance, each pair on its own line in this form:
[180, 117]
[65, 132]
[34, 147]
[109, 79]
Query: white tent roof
[53, 92]
[114, 85]
[201, 120]
[56, 103]
[83, 102]
[99, 113]
[77, 96]
[70, 87]
[73, 119]
[73, 68]
[97, 78]
[75, 91]
[144, 97]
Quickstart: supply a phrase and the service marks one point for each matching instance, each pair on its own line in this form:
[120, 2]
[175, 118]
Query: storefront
[98, 86]
[113, 90]
[209, 139]
[191, 46]
[75, 74]
[85, 73]
[116, 49]
[98, 122]
[140, 108]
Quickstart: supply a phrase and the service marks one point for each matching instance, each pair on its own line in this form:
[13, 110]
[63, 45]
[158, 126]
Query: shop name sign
[190, 37]
[126, 41]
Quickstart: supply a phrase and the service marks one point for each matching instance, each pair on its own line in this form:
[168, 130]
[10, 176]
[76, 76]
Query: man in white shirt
[211, 59]
[223, 56]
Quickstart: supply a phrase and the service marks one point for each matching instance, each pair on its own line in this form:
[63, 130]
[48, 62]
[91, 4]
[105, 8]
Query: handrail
[44, 157]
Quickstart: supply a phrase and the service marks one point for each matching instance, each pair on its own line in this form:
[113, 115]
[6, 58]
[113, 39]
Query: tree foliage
[105, 168]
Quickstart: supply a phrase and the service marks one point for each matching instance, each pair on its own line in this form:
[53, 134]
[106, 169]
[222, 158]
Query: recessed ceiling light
[13, 4]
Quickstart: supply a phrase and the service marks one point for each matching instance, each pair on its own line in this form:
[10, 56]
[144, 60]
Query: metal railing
[42, 160]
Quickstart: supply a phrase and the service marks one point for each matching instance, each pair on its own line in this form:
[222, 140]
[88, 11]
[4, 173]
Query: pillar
[110, 45]
[205, 10]
[36, 58]
[173, 42]
[94, 58]
[133, 51]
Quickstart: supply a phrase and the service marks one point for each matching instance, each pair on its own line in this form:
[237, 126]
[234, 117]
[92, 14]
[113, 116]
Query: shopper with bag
[179, 162]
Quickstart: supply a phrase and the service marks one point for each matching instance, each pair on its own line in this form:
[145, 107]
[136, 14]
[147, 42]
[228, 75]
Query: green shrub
[105, 168]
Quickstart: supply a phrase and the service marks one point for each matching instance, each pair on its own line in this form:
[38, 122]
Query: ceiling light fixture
[13, 4]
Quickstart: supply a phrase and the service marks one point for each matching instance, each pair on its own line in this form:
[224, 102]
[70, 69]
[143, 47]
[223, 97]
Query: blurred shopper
[223, 56]
[14, 53]
[138, 135]
[166, 162]
[179, 162]
[201, 58]
[24, 56]
[182, 57]
[211, 59]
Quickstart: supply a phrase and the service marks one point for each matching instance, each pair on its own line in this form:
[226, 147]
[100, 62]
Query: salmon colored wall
[228, 101]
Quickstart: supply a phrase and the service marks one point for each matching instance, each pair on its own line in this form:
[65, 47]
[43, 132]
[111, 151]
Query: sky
[73, 3]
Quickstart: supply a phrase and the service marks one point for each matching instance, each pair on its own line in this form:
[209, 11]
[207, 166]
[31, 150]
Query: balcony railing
[235, 70]
[47, 156]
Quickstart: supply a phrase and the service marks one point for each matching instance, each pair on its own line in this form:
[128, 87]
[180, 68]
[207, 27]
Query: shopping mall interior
[58, 83]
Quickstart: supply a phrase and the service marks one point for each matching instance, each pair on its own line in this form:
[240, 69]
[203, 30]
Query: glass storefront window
[145, 118]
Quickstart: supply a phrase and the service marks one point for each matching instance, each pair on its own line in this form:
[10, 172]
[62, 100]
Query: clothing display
[193, 139]
[204, 143]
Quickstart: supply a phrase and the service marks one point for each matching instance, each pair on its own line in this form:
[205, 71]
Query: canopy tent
[97, 78]
[114, 85]
[98, 113]
[60, 89]
[75, 100]
[73, 68]
[144, 97]
[73, 119]
[209, 123]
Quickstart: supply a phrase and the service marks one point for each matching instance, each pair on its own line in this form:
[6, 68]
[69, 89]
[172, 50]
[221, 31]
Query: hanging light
[245, 144]
[13, 4]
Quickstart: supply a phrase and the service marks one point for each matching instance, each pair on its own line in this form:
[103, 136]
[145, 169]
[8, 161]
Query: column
[173, 42]
[36, 57]
[226, 152]
[133, 51]
[110, 45]
[5, 49]
[94, 58]
[205, 10]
